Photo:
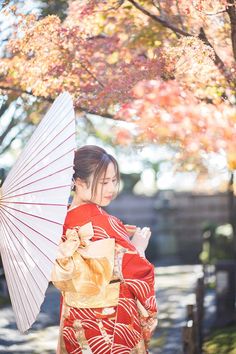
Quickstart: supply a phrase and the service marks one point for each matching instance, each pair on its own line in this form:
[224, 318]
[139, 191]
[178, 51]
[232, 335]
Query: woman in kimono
[107, 285]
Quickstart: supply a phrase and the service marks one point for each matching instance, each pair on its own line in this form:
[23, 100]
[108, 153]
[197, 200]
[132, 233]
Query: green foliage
[221, 341]
[217, 243]
[4, 301]
[54, 7]
[129, 180]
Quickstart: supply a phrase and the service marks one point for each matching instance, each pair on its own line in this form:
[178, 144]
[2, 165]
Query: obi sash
[83, 270]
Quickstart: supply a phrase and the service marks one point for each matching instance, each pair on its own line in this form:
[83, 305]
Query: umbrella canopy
[33, 206]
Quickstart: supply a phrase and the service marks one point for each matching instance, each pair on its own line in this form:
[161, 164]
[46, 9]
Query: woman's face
[105, 191]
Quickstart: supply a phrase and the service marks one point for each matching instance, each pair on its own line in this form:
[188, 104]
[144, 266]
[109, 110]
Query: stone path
[175, 290]
[41, 338]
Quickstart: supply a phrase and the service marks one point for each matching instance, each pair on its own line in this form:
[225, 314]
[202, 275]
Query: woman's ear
[79, 182]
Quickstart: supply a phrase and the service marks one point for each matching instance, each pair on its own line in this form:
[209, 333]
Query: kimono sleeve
[135, 270]
[138, 274]
[108, 226]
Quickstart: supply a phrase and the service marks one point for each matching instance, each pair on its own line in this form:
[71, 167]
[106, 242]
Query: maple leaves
[95, 67]
[166, 113]
[167, 66]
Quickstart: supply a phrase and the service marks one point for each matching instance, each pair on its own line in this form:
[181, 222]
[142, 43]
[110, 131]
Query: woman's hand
[141, 238]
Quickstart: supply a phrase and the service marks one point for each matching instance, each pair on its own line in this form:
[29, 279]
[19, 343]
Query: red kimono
[108, 294]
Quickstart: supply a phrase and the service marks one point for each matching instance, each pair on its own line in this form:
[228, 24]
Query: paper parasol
[33, 206]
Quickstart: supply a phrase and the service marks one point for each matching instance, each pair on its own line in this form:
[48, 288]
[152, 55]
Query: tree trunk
[231, 10]
[232, 208]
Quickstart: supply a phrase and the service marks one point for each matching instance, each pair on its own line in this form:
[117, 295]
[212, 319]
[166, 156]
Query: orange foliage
[166, 65]
[167, 113]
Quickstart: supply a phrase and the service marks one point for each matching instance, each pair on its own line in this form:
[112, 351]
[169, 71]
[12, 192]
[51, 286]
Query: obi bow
[77, 238]
[84, 268]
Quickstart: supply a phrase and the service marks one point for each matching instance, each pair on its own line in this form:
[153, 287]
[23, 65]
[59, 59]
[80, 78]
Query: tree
[19, 112]
[166, 65]
[119, 55]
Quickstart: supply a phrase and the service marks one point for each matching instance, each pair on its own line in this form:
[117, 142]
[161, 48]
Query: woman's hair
[92, 160]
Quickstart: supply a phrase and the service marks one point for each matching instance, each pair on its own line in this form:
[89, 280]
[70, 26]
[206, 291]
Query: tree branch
[4, 4]
[160, 20]
[218, 61]
[157, 4]
[50, 100]
[231, 10]
[12, 124]
[90, 73]
[5, 105]
[214, 13]
[119, 4]
[6, 147]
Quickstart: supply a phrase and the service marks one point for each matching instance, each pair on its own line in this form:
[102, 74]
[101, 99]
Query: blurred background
[153, 82]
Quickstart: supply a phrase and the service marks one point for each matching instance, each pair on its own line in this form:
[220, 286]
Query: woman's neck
[76, 201]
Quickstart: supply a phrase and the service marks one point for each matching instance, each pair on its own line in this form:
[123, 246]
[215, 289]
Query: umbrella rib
[28, 203]
[34, 150]
[34, 216]
[9, 190]
[42, 178]
[22, 302]
[26, 251]
[43, 126]
[8, 273]
[41, 169]
[31, 192]
[33, 207]
[54, 243]
[23, 173]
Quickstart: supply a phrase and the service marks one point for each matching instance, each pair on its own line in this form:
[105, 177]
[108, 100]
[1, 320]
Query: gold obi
[108, 296]
[84, 269]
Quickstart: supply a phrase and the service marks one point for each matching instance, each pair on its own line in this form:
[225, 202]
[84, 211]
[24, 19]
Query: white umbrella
[33, 206]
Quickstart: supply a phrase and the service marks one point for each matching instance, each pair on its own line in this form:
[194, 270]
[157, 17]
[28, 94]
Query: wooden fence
[193, 329]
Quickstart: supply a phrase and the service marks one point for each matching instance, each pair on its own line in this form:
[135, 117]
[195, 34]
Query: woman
[106, 282]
